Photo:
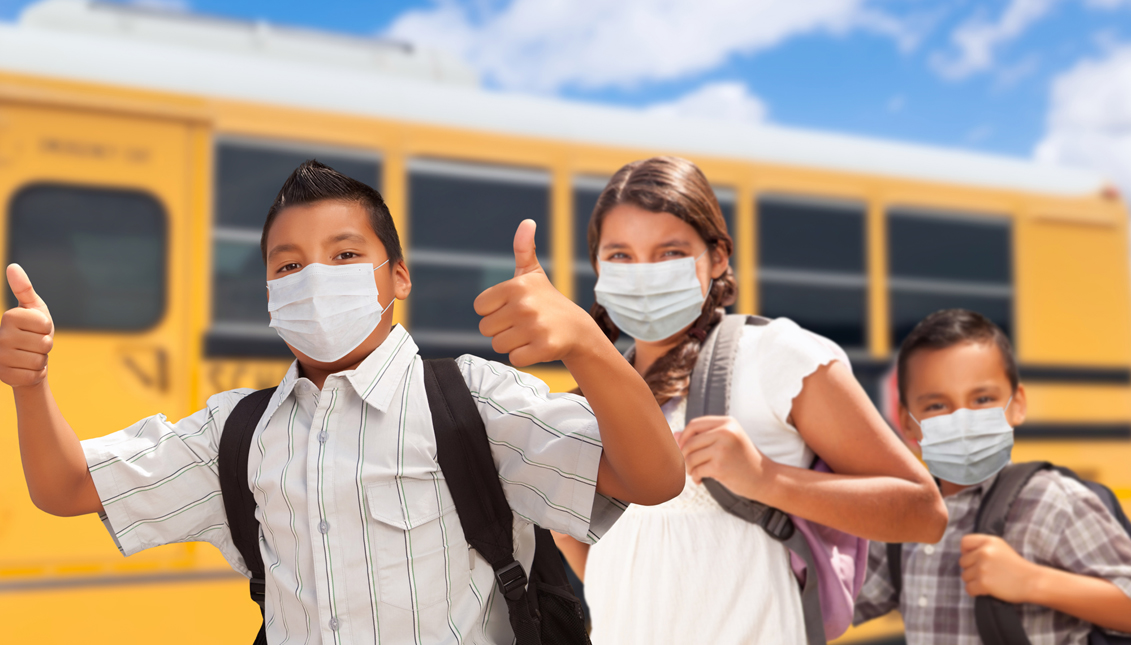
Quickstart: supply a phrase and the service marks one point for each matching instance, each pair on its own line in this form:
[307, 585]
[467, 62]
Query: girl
[686, 571]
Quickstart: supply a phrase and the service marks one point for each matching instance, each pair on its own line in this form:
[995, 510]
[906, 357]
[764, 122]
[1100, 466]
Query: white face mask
[325, 311]
[967, 446]
[651, 301]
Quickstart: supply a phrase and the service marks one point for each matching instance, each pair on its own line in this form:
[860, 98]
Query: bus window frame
[931, 286]
[459, 168]
[166, 239]
[818, 278]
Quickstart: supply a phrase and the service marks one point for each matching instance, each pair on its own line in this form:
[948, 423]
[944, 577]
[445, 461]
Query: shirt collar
[980, 489]
[375, 378]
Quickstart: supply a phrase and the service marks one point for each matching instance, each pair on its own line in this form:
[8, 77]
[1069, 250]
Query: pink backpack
[840, 560]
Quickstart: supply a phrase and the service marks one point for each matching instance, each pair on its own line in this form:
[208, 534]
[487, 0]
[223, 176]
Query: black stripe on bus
[219, 345]
[1073, 431]
[1090, 375]
[76, 582]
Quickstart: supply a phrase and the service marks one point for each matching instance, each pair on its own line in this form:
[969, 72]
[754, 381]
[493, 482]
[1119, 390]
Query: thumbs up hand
[526, 317]
[26, 334]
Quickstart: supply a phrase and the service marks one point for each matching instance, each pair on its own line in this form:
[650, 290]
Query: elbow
[667, 485]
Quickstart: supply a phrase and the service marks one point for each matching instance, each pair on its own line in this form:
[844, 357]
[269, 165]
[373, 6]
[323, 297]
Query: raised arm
[532, 322]
[877, 491]
[54, 466]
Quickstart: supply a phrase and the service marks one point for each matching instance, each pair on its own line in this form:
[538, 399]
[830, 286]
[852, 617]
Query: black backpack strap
[709, 394]
[999, 622]
[895, 567]
[465, 459]
[239, 502]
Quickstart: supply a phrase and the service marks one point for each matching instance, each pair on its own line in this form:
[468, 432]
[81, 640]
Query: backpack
[542, 607]
[829, 564]
[999, 622]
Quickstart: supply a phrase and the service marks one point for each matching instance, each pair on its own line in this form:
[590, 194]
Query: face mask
[967, 446]
[325, 311]
[651, 301]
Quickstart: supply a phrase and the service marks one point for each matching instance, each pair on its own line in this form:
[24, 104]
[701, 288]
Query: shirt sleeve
[546, 448]
[159, 482]
[788, 354]
[877, 596]
[1065, 526]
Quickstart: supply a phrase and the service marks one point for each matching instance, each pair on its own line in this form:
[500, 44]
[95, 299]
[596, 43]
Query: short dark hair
[313, 182]
[948, 328]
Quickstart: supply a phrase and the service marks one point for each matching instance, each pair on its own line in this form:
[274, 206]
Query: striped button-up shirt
[1055, 522]
[359, 535]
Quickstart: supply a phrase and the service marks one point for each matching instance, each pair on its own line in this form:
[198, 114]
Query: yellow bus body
[61, 579]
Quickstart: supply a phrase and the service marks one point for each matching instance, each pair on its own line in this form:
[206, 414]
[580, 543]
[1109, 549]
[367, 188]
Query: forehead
[312, 222]
[630, 224]
[958, 367]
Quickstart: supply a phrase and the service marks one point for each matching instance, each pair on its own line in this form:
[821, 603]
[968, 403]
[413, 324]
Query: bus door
[96, 207]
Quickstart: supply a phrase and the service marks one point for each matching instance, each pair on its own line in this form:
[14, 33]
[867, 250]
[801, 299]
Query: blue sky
[980, 75]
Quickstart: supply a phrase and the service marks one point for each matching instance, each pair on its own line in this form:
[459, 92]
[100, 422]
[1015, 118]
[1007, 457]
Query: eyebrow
[346, 237]
[281, 248]
[928, 396]
[683, 243]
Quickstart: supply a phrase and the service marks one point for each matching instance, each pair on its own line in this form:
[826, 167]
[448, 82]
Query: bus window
[939, 261]
[96, 255]
[586, 190]
[248, 177]
[463, 219]
[811, 265]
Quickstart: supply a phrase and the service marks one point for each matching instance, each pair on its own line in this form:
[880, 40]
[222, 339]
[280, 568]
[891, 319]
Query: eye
[346, 255]
[985, 399]
[291, 266]
[674, 253]
[618, 256]
[934, 407]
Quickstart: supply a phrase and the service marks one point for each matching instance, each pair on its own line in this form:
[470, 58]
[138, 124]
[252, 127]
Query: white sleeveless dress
[688, 572]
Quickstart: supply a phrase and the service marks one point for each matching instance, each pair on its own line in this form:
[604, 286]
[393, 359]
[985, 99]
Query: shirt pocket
[419, 550]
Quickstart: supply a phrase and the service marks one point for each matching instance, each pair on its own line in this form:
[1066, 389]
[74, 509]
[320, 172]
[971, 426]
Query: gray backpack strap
[709, 395]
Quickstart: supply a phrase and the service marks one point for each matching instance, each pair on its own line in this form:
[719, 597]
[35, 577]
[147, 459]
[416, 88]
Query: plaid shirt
[1055, 522]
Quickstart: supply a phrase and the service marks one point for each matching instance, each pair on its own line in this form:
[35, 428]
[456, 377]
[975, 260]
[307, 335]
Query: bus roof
[184, 53]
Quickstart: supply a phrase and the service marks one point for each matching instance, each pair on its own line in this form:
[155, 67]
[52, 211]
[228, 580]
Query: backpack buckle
[777, 524]
[512, 580]
[258, 591]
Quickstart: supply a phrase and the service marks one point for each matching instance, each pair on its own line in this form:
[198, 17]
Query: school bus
[139, 152]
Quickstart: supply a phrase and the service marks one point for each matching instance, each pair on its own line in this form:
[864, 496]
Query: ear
[402, 281]
[719, 262]
[1018, 407]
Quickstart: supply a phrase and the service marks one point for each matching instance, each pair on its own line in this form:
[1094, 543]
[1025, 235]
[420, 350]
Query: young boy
[1064, 558]
[359, 538]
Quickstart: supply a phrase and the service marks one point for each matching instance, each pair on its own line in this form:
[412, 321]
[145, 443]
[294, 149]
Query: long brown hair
[676, 186]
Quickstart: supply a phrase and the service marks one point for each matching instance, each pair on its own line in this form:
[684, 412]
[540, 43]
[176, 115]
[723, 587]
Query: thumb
[525, 256]
[22, 289]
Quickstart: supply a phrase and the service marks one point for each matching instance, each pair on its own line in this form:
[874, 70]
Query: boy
[1064, 558]
[359, 536]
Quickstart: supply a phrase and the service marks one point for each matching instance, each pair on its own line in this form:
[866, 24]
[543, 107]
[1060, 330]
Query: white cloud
[177, 6]
[977, 39]
[1089, 121]
[720, 101]
[544, 45]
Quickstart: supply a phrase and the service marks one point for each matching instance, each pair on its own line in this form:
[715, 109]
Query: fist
[26, 334]
[990, 567]
[718, 447]
[526, 317]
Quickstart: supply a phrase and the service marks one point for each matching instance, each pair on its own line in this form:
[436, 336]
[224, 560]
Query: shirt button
[334, 624]
[323, 436]
[324, 526]
[929, 549]
[922, 601]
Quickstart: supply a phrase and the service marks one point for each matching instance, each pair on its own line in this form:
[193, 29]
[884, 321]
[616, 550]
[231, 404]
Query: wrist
[1038, 584]
[588, 343]
[762, 484]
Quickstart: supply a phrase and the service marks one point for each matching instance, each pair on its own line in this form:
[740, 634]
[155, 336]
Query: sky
[1042, 79]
